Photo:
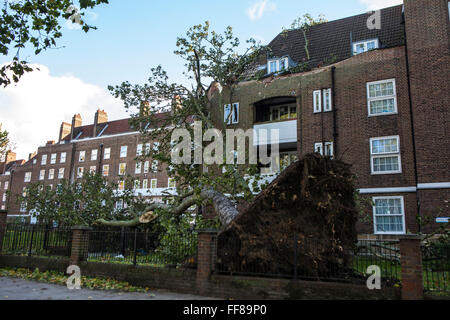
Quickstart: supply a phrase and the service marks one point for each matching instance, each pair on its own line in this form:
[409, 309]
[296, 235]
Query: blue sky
[132, 37]
[135, 35]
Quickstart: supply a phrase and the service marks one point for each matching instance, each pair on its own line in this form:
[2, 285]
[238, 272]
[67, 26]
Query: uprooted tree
[160, 107]
[310, 206]
[313, 198]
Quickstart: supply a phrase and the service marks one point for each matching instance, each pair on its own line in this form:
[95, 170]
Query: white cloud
[379, 4]
[257, 9]
[32, 110]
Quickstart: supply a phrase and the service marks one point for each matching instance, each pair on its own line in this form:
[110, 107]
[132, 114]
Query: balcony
[279, 113]
[287, 132]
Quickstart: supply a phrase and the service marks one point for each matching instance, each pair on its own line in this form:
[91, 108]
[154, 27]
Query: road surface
[18, 289]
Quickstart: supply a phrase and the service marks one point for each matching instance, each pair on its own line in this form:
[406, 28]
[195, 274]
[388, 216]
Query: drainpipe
[411, 113]
[72, 163]
[10, 195]
[333, 102]
[99, 169]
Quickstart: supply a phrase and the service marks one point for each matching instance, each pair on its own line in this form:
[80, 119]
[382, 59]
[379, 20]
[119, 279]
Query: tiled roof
[10, 165]
[336, 37]
[107, 129]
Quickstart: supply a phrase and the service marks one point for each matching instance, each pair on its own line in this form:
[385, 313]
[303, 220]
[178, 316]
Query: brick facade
[119, 137]
[420, 69]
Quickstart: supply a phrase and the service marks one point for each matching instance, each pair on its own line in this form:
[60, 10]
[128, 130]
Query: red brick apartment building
[377, 98]
[109, 147]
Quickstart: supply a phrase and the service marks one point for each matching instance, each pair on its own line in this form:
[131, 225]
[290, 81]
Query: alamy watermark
[374, 280]
[190, 150]
[74, 281]
[374, 21]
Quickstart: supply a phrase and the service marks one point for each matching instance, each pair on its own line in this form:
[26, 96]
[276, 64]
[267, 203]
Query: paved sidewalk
[18, 289]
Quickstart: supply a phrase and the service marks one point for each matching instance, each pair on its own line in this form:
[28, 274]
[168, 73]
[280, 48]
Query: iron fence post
[31, 241]
[122, 241]
[135, 239]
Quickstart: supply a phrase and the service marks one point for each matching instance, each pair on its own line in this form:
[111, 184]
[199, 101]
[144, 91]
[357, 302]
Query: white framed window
[389, 215]
[171, 183]
[51, 174]
[157, 144]
[139, 150]
[381, 97]
[327, 100]
[138, 169]
[147, 148]
[119, 204]
[146, 166]
[123, 151]
[154, 183]
[277, 65]
[6, 185]
[107, 154]
[317, 101]
[94, 154]
[318, 148]
[145, 184]
[63, 157]
[122, 169]
[92, 169]
[329, 149]
[364, 46]
[231, 113]
[325, 149]
[53, 158]
[121, 185]
[82, 156]
[385, 155]
[80, 172]
[61, 173]
[105, 171]
[44, 160]
[155, 165]
[137, 184]
[41, 175]
[4, 197]
[27, 177]
[23, 207]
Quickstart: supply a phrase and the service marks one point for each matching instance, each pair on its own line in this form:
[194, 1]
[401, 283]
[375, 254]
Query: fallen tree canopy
[312, 199]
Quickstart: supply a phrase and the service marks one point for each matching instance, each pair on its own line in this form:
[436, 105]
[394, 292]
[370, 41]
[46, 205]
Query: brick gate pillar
[3, 218]
[206, 258]
[411, 263]
[80, 242]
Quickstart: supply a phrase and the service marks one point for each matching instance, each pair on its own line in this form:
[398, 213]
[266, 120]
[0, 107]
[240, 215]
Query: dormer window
[364, 46]
[277, 65]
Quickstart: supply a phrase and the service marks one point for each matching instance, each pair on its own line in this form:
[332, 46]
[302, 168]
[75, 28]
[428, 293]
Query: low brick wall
[43, 264]
[281, 289]
[178, 280]
[226, 287]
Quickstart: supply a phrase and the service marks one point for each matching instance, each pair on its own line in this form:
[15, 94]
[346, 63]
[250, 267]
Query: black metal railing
[37, 240]
[309, 259]
[436, 267]
[142, 247]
